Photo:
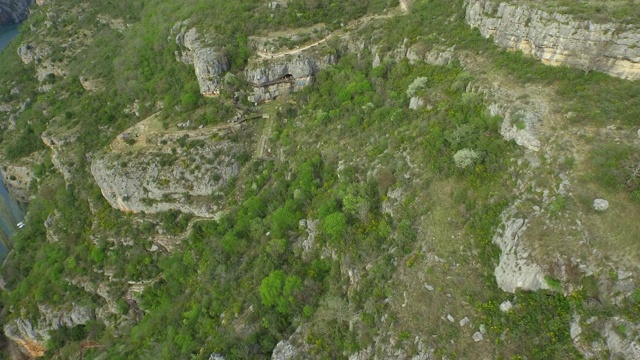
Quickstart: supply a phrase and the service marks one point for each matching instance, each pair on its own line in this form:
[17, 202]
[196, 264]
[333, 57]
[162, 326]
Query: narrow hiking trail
[268, 55]
[404, 9]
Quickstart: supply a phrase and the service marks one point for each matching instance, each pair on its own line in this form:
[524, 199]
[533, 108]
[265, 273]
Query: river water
[7, 33]
[10, 212]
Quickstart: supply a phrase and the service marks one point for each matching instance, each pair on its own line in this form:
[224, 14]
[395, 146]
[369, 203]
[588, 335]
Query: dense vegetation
[240, 284]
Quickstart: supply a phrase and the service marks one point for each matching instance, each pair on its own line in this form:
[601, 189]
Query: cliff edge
[557, 39]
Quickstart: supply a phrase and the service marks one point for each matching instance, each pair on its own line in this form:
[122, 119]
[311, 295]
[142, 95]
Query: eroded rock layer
[557, 39]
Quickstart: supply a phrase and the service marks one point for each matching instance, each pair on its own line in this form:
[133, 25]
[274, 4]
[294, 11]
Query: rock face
[557, 39]
[209, 63]
[284, 351]
[281, 75]
[160, 179]
[17, 179]
[57, 143]
[518, 125]
[32, 337]
[14, 11]
[32, 53]
[514, 271]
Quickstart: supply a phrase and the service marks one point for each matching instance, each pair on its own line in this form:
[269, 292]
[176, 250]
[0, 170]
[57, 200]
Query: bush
[465, 157]
[416, 86]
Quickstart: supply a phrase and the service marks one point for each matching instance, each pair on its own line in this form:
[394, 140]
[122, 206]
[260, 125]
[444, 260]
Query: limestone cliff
[14, 11]
[209, 62]
[278, 74]
[32, 337]
[557, 39]
[154, 172]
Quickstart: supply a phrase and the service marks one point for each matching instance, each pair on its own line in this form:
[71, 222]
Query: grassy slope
[444, 212]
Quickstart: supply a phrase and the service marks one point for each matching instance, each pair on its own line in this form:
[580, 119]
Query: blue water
[7, 33]
[10, 212]
[10, 215]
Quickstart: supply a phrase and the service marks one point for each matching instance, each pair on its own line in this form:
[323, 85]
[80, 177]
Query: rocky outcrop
[47, 70]
[17, 179]
[159, 179]
[557, 39]
[57, 143]
[514, 270]
[33, 53]
[619, 337]
[90, 84]
[278, 75]
[32, 337]
[285, 351]
[209, 62]
[14, 11]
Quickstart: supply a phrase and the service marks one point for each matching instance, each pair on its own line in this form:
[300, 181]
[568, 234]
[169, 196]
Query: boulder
[506, 306]
[477, 336]
[464, 321]
[600, 204]
[416, 103]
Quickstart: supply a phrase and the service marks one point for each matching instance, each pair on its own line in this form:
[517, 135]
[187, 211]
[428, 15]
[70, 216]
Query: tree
[279, 290]
[335, 225]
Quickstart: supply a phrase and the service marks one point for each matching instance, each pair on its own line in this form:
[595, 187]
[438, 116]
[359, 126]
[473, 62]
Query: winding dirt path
[263, 54]
[404, 9]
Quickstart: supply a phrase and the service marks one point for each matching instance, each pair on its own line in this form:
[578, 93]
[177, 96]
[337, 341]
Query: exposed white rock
[376, 61]
[416, 103]
[464, 321]
[450, 318]
[514, 269]
[620, 338]
[209, 63]
[17, 179]
[506, 306]
[283, 74]
[477, 336]
[600, 204]
[155, 179]
[437, 56]
[312, 231]
[33, 337]
[557, 39]
[518, 125]
[33, 53]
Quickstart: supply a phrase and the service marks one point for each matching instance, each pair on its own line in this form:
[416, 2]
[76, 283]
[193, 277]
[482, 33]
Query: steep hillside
[307, 179]
[14, 11]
